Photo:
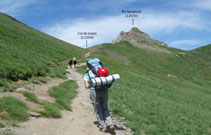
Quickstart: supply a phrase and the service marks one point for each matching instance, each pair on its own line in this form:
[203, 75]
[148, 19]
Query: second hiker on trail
[99, 94]
[74, 62]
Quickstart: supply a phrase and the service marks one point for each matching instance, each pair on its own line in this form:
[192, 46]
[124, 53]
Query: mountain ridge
[141, 40]
[162, 90]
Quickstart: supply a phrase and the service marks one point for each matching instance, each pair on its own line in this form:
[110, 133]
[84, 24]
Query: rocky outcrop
[121, 36]
[141, 40]
[134, 33]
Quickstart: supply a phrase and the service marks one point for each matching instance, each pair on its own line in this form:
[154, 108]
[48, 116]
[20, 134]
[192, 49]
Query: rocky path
[80, 121]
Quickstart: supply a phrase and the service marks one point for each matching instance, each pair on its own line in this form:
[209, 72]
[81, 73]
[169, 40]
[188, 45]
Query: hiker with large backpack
[99, 94]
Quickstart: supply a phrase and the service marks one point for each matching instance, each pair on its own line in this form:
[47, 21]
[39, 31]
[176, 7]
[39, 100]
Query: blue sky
[180, 24]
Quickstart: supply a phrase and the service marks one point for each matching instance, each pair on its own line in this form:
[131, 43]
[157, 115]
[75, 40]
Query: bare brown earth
[80, 121]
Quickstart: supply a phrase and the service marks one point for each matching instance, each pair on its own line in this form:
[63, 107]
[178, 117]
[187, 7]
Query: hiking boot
[103, 130]
[111, 128]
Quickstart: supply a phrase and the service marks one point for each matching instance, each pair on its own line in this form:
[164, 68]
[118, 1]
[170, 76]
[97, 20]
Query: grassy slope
[26, 52]
[160, 93]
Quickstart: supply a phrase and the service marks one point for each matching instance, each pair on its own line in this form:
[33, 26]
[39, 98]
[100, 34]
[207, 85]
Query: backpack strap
[101, 63]
[113, 79]
[91, 67]
[101, 81]
[88, 74]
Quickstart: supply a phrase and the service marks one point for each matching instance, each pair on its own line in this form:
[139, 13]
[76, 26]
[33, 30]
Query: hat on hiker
[102, 72]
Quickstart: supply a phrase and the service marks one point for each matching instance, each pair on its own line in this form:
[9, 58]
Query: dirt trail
[79, 121]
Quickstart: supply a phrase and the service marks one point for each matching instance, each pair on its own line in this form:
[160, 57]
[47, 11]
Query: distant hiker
[70, 62]
[74, 61]
[99, 94]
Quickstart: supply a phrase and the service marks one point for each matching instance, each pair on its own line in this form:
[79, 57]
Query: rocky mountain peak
[140, 39]
[133, 33]
[137, 32]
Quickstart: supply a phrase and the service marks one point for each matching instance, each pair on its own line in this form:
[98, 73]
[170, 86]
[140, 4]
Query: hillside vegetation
[26, 52]
[30, 56]
[160, 92]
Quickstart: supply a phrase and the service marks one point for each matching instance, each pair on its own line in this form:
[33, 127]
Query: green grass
[51, 110]
[26, 53]
[6, 132]
[82, 69]
[64, 93]
[31, 97]
[160, 93]
[2, 125]
[43, 79]
[38, 80]
[8, 85]
[13, 109]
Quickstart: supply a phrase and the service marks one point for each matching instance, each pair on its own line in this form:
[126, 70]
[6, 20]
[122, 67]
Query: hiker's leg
[93, 98]
[106, 112]
[99, 112]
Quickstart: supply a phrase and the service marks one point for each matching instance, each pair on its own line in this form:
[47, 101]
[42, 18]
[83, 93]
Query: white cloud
[184, 44]
[14, 7]
[203, 4]
[109, 27]
[154, 22]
